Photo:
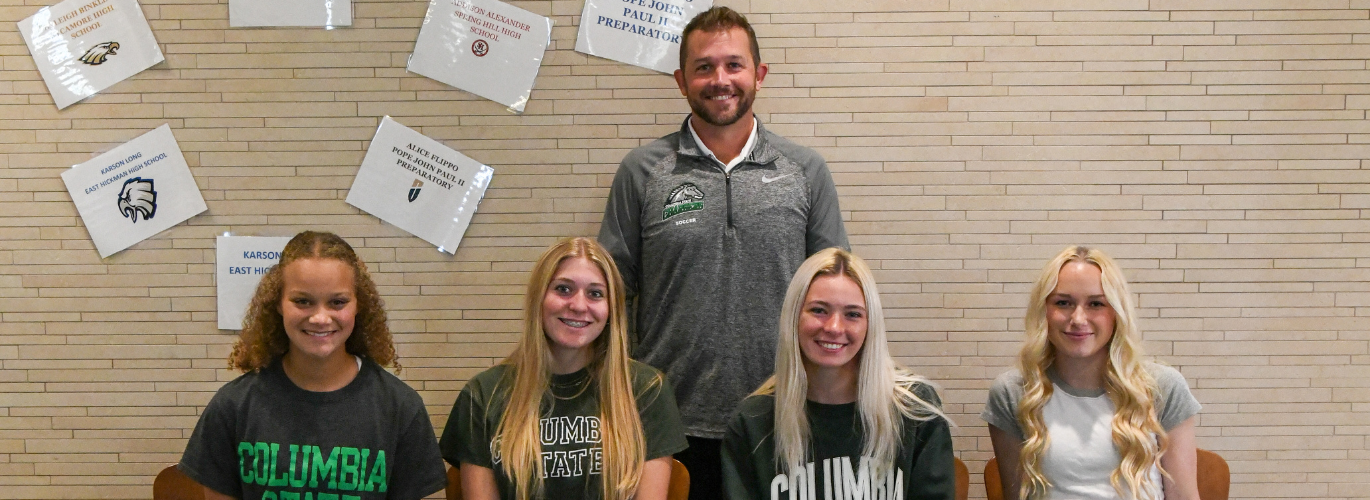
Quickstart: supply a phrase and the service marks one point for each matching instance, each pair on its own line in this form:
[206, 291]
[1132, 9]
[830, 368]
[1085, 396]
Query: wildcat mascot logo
[138, 199]
[100, 53]
[684, 198]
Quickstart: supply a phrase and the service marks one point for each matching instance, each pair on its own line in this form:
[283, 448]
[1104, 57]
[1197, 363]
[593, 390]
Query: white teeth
[829, 345]
[318, 334]
[575, 324]
[721, 97]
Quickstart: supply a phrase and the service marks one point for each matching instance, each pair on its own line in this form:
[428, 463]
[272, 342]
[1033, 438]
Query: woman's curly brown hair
[263, 339]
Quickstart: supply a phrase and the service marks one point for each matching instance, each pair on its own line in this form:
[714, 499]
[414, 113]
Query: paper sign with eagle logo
[85, 46]
[443, 187]
[485, 47]
[134, 191]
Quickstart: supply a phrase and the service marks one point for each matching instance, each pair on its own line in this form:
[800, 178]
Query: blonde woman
[567, 414]
[839, 419]
[1083, 417]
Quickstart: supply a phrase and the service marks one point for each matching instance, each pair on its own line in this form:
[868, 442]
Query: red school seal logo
[480, 47]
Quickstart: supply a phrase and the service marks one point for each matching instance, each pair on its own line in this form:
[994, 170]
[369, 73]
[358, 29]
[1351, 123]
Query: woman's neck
[1085, 374]
[320, 375]
[831, 386]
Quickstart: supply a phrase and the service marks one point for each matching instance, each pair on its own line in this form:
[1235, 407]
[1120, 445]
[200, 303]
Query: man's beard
[744, 106]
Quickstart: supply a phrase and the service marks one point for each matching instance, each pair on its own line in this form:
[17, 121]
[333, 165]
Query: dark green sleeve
[661, 426]
[932, 475]
[466, 437]
[211, 455]
[740, 480]
[416, 471]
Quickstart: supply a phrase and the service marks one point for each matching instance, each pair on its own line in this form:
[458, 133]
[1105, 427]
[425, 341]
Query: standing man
[707, 225]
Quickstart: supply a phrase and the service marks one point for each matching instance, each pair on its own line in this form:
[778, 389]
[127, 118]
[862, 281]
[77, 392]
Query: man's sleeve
[621, 230]
[825, 229]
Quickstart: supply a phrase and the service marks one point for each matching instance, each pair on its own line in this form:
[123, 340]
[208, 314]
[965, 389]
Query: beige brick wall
[1218, 148]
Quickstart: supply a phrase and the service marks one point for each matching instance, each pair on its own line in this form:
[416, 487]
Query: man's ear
[761, 70]
[680, 82]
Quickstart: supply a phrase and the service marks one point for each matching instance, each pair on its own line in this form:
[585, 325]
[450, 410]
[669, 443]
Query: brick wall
[1216, 148]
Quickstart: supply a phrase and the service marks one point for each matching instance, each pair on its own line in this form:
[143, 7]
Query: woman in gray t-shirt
[1082, 416]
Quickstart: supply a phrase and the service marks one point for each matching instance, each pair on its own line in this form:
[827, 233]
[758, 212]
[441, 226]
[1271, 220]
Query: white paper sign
[485, 47]
[84, 46]
[134, 191]
[256, 13]
[643, 33]
[241, 262]
[419, 185]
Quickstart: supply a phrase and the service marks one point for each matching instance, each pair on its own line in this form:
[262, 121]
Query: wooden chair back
[962, 480]
[679, 488]
[680, 482]
[994, 489]
[1214, 477]
[171, 484]
[453, 483]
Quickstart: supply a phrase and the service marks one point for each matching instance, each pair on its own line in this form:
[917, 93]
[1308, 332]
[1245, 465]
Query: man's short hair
[714, 20]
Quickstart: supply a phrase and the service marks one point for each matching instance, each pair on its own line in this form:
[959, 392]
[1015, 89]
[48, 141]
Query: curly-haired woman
[314, 414]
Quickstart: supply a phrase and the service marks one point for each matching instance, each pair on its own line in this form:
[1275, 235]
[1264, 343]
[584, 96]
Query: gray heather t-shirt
[1081, 454]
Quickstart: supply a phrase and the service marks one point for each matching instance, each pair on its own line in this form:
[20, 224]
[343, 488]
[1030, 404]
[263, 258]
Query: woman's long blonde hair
[518, 438]
[884, 389]
[1137, 433]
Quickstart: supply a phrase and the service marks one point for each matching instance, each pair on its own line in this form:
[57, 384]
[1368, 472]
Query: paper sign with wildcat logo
[134, 191]
[419, 185]
[84, 46]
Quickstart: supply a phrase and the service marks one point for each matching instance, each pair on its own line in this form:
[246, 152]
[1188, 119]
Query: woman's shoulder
[1008, 382]
[1167, 377]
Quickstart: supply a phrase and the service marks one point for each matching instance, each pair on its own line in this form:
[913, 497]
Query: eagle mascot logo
[100, 53]
[138, 198]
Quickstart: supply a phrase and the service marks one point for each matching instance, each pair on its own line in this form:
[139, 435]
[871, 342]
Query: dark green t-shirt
[570, 427]
[924, 467]
[263, 438]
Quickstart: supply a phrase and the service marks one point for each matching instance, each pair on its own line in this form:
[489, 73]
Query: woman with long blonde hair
[315, 414]
[1083, 416]
[839, 419]
[567, 414]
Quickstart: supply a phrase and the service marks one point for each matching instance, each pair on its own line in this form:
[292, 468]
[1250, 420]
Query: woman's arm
[1007, 448]
[656, 479]
[1182, 463]
[477, 483]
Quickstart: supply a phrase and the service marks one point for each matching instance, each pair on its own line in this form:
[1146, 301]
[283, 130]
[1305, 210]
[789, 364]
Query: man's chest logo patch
[684, 198]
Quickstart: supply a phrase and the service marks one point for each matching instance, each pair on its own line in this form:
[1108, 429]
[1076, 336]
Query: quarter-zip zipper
[728, 183]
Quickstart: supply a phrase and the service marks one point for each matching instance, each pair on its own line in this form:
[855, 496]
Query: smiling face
[720, 77]
[319, 308]
[832, 325]
[575, 310]
[1080, 320]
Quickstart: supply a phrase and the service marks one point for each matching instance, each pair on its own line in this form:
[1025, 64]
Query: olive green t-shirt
[923, 468]
[569, 425]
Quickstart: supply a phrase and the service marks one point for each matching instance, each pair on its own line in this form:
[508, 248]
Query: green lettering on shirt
[290, 495]
[304, 466]
[261, 462]
[327, 469]
[328, 496]
[378, 473]
[244, 470]
[269, 495]
[347, 469]
[274, 479]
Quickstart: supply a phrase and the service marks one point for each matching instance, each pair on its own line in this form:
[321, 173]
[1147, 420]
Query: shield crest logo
[414, 191]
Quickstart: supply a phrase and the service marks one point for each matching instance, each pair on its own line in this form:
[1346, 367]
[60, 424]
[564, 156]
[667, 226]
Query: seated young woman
[314, 414]
[567, 414]
[839, 419]
[1083, 416]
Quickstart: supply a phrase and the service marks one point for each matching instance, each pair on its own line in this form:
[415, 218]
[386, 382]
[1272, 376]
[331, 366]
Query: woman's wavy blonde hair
[1137, 433]
[884, 389]
[263, 339]
[517, 437]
